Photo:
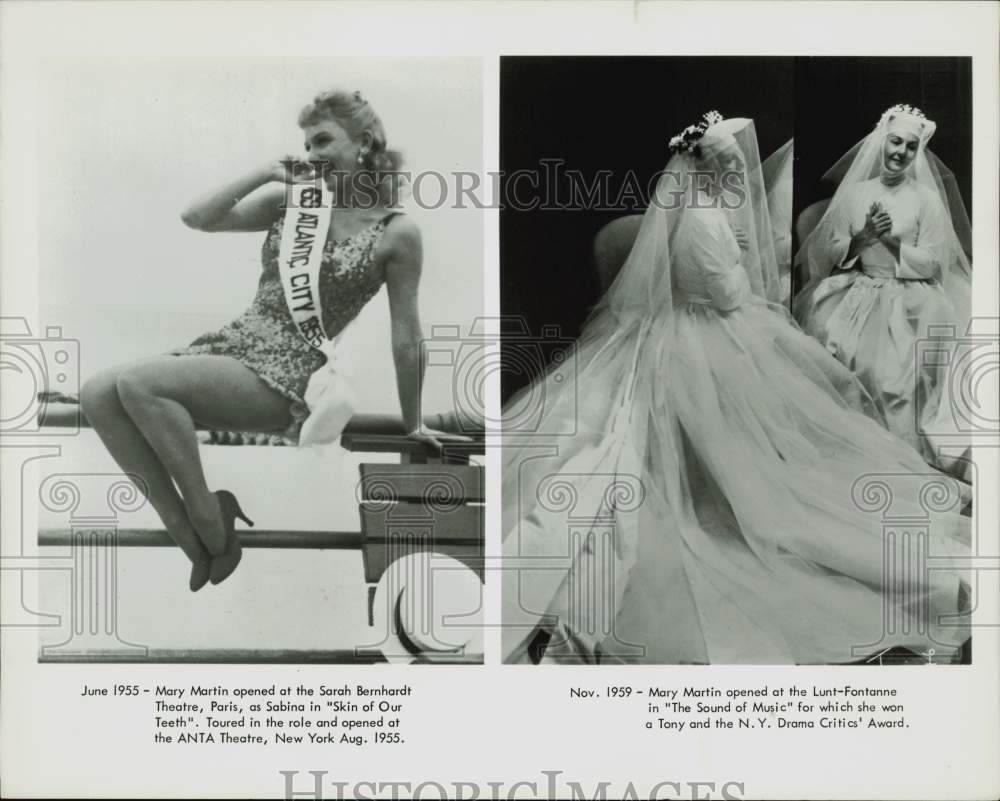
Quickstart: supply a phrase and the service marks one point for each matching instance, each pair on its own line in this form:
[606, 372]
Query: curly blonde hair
[356, 116]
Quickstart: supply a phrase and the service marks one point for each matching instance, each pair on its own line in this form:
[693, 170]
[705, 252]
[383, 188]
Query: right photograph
[735, 292]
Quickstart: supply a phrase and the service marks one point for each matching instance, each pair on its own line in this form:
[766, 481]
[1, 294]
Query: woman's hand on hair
[291, 170]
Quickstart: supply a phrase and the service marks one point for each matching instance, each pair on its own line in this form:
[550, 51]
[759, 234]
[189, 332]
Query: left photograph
[270, 442]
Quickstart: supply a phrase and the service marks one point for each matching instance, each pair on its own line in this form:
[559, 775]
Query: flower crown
[687, 141]
[900, 108]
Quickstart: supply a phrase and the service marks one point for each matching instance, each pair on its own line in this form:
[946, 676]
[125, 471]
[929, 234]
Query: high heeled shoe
[225, 563]
[201, 571]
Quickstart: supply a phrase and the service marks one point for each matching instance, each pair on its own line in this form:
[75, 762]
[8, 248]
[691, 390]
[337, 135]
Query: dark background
[604, 113]
[618, 113]
[839, 100]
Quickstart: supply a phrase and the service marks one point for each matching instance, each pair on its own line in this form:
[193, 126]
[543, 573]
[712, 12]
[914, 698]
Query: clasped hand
[878, 224]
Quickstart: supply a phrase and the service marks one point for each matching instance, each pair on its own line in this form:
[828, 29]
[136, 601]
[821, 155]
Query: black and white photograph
[739, 384]
[506, 400]
[269, 316]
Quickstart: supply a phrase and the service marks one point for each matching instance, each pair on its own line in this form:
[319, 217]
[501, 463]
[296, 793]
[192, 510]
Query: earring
[361, 157]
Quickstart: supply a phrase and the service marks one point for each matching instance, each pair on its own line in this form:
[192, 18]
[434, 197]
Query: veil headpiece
[902, 118]
[689, 140]
[643, 286]
[865, 162]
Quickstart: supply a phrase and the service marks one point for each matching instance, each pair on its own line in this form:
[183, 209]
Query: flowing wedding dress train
[702, 492]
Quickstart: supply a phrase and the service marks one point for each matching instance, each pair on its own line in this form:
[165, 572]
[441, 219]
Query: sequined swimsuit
[264, 337]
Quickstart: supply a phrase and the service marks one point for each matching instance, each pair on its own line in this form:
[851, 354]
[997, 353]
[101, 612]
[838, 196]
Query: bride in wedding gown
[889, 270]
[690, 485]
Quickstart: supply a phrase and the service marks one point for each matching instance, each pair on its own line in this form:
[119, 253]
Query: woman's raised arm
[238, 206]
[845, 243]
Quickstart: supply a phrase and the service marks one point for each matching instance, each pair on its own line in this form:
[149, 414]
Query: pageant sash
[300, 255]
[328, 394]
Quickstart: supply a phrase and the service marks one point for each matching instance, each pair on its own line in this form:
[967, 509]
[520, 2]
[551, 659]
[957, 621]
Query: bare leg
[166, 396]
[124, 441]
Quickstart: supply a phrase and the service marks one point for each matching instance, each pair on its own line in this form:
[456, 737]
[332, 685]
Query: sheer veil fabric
[874, 311]
[683, 486]
[778, 175]
[863, 163]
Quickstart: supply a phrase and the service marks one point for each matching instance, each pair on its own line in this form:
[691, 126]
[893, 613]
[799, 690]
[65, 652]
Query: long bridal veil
[578, 442]
[678, 487]
[778, 175]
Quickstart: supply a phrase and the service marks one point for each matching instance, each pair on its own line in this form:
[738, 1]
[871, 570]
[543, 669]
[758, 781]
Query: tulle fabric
[820, 254]
[934, 174]
[778, 169]
[878, 314]
[644, 285]
[751, 547]
[689, 490]
[875, 326]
